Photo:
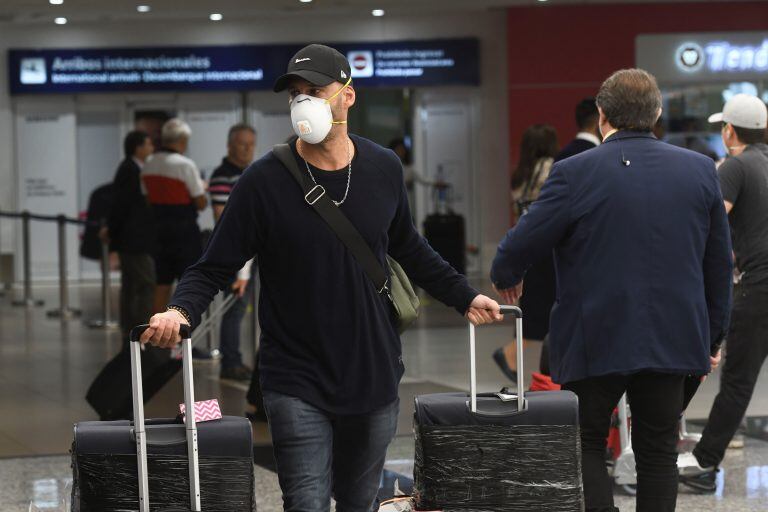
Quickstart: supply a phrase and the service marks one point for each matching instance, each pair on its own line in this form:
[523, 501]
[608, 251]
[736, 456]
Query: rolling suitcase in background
[446, 235]
[498, 452]
[110, 392]
[444, 229]
[194, 466]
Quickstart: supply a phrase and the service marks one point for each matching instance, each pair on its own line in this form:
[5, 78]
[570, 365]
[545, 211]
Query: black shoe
[696, 476]
[242, 373]
[704, 482]
[501, 361]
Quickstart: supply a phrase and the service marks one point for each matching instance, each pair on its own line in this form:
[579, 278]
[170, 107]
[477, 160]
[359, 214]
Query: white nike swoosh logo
[302, 60]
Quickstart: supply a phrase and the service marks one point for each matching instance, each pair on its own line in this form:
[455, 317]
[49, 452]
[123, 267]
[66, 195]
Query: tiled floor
[46, 366]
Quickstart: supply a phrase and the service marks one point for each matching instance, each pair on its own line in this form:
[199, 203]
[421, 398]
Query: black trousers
[745, 352]
[137, 290]
[656, 400]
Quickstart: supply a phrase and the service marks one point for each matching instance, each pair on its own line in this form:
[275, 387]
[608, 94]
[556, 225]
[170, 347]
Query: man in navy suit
[643, 257]
[587, 138]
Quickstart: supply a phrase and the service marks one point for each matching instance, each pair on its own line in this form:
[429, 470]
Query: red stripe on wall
[558, 55]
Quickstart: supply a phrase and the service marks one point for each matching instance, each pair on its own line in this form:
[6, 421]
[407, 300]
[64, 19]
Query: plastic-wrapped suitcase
[498, 452]
[193, 465]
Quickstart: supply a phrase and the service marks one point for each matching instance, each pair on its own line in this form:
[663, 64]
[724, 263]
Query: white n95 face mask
[312, 118]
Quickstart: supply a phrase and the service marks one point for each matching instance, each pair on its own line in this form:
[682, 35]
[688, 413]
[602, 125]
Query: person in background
[129, 226]
[241, 145]
[176, 193]
[538, 149]
[588, 136]
[644, 270]
[411, 175]
[744, 184]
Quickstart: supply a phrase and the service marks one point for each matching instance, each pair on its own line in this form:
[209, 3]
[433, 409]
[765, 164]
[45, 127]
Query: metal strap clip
[385, 287]
[312, 200]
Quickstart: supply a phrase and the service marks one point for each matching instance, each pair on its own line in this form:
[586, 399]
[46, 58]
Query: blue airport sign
[242, 67]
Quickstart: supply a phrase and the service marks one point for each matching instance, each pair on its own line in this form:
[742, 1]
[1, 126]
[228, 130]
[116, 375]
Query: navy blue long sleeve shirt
[328, 337]
[643, 259]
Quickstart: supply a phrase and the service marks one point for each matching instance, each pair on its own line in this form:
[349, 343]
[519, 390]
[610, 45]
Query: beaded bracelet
[181, 311]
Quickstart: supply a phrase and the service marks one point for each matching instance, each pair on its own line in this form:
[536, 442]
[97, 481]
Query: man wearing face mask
[330, 355]
[744, 183]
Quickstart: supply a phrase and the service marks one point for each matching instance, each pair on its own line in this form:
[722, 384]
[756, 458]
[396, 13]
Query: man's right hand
[164, 329]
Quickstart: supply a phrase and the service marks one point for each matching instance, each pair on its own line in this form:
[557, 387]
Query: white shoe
[688, 465]
[737, 443]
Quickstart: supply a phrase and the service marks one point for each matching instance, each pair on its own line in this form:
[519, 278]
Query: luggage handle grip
[522, 405]
[173, 436]
[185, 331]
[511, 310]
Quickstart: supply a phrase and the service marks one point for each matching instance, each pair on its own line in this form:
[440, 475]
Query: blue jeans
[229, 343]
[320, 454]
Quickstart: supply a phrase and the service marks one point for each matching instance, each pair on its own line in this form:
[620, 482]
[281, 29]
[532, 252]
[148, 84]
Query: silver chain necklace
[349, 174]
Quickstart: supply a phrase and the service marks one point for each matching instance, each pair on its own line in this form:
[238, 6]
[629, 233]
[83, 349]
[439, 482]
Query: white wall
[489, 27]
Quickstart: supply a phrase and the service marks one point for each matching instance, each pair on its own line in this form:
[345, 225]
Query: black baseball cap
[317, 64]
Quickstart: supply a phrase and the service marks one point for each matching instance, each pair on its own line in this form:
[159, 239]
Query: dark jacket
[643, 259]
[130, 218]
[574, 147]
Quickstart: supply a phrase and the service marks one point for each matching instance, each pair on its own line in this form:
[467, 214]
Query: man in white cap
[744, 184]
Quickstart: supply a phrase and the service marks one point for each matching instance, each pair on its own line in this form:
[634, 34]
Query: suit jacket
[574, 147]
[643, 259]
[130, 221]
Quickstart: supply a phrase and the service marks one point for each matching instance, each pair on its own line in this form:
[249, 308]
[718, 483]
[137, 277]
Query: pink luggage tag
[207, 410]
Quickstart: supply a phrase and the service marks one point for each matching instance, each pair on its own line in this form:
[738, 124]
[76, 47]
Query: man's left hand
[510, 295]
[714, 361]
[239, 287]
[484, 310]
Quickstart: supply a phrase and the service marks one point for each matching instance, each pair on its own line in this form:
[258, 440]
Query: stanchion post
[28, 300]
[64, 312]
[106, 292]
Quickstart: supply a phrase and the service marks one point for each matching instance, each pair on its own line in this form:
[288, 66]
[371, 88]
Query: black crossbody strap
[316, 197]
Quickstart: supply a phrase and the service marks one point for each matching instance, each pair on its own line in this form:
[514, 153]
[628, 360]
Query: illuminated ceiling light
[143, 8]
[542, 1]
[305, 1]
[216, 16]
[60, 21]
[378, 12]
[56, 2]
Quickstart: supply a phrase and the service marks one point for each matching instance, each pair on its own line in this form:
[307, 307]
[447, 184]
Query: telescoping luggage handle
[521, 403]
[138, 417]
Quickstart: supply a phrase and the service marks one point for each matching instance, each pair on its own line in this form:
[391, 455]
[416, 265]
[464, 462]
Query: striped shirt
[223, 181]
[220, 187]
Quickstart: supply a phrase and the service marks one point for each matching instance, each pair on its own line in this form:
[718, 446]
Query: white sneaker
[688, 465]
[737, 443]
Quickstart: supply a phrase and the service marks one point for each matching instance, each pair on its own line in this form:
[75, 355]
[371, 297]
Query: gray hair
[175, 130]
[239, 127]
[630, 100]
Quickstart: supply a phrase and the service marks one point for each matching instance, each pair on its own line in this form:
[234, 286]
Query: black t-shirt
[744, 183]
[328, 337]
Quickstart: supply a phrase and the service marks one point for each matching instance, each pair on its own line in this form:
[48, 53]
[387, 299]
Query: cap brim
[716, 118]
[312, 77]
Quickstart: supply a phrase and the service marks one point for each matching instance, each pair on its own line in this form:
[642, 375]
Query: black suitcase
[204, 466]
[445, 233]
[498, 452]
[110, 392]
